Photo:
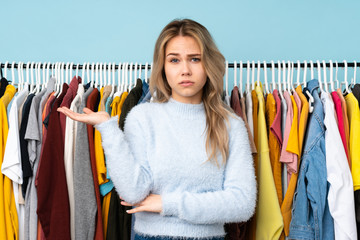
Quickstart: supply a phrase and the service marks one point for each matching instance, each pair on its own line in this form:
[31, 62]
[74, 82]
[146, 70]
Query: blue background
[118, 31]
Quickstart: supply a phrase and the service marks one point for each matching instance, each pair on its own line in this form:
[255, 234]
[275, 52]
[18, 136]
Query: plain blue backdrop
[118, 31]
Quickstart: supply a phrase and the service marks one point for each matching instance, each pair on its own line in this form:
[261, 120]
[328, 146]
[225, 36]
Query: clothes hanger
[135, 71]
[92, 75]
[13, 73]
[279, 80]
[319, 75]
[1, 73]
[265, 79]
[130, 75]
[146, 72]
[27, 72]
[32, 85]
[298, 73]
[248, 77]
[305, 70]
[258, 74]
[118, 87]
[241, 79]
[102, 84]
[113, 80]
[292, 77]
[62, 73]
[88, 73]
[235, 73]
[312, 69]
[140, 70]
[331, 76]
[284, 80]
[44, 76]
[345, 77]
[47, 76]
[83, 72]
[338, 85]
[5, 70]
[37, 80]
[354, 79]
[96, 75]
[123, 76]
[325, 80]
[273, 75]
[253, 76]
[57, 80]
[226, 77]
[19, 75]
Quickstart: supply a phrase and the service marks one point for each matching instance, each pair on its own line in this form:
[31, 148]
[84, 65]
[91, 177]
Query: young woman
[184, 160]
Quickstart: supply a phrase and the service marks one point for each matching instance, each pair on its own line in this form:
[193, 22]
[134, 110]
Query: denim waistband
[144, 237]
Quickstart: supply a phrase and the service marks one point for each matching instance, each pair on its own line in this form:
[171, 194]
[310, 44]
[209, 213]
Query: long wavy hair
[217, 137]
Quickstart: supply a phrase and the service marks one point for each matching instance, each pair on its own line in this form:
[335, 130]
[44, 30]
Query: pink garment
[298, 104]
[285, 156]
[339, 114]
[276, 125]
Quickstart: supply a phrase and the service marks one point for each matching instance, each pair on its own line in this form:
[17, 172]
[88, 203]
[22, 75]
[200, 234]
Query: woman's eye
[174, 60]
[195, 59]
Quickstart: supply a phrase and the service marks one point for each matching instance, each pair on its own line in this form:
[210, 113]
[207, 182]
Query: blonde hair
[217, 138]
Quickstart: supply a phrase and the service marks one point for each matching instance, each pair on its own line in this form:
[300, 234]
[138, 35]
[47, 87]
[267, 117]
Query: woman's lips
[186, 83]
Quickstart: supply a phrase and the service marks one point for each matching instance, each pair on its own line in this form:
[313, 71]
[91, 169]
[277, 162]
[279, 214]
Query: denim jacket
[311, 217]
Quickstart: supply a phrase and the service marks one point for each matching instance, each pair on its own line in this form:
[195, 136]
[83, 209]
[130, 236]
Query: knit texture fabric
[162, 151]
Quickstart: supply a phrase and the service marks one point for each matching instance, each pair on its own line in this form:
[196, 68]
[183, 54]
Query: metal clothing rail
[230, 65]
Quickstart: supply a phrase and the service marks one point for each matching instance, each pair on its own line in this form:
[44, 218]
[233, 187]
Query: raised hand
[88, 117]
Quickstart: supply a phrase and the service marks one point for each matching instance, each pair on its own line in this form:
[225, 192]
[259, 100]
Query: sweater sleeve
[237, 199]
[126, 158]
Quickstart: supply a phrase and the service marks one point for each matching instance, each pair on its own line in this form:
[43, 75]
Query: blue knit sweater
[162, 151]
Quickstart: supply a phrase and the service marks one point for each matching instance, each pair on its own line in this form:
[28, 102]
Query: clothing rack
[246, 64]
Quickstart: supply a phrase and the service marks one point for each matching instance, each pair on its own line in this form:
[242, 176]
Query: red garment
[70, 95]
[53, 200]
[339, 114]
[235, 102]
[92, 103]
[276, 125]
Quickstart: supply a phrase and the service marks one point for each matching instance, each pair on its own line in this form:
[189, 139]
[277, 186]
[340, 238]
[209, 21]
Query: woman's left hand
[151, 203]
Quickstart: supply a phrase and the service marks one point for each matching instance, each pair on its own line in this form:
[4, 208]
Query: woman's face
[184, 70]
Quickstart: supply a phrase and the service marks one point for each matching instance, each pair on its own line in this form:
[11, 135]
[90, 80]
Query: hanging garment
[66, 102]
[356, 91]
[287, 157]
[11, 166]
[311, 216]
[25, 162]
[92, 103]
[249, 112]
[276, 128]
[341, 127]
[284, 110]
[132, 100]
[274, 147]
[346, 121]
[34, 137]
[54, 215]
[8, 214]
[3, 85]
[145, 91]
[237, 106]
[354, 141]
[84, 188]
[69, 153]
[286, 207]
[340, 195]
[269, 223]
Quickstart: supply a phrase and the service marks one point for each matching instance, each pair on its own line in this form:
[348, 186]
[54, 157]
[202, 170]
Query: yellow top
[353, 112]
[9, 225]
[99, 152]
[269, 222]
[122, 100]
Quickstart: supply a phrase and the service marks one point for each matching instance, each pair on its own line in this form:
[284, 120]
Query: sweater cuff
[170, 204]
[108, 125]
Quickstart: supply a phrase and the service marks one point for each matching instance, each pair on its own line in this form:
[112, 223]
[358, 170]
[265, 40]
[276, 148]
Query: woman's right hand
[88, 117]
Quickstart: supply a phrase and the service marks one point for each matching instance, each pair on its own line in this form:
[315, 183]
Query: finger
[135, 210]
[126, 204]
[73, 115]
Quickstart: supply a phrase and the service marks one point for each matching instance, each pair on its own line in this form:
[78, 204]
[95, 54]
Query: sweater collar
[187, 110]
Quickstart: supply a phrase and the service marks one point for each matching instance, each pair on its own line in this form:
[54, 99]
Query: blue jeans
[141, 237]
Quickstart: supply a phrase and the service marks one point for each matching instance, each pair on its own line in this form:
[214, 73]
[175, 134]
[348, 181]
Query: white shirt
[341, 194]
[249, 112]
[69, 152]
